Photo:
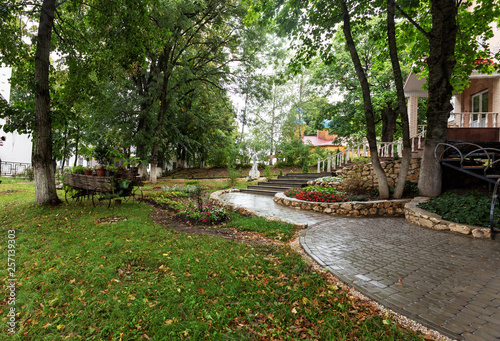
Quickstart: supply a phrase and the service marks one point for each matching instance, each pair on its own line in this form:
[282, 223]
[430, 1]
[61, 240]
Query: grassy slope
[79, 279]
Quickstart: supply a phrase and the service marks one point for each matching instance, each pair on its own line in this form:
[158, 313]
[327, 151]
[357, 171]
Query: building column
[413, 115]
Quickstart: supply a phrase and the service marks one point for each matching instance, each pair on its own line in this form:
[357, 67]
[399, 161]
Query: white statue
[254, 172]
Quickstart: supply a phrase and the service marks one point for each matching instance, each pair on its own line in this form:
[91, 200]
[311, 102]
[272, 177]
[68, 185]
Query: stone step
[259, 191]
[269, 188]
[308, 176]
[288, 180]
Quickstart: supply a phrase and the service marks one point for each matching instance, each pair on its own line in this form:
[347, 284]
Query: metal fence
[10, 168]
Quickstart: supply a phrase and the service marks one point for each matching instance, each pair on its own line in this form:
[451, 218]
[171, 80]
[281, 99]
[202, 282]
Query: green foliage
[291, 192]
[305, 167]
[28, 173]
[78, 169]
[331, 190]
[205, 215]
[189, 189]
[360, 160]
[472, 208]
[267, 171]
[233, 177]
[330, 179]
[294, 152]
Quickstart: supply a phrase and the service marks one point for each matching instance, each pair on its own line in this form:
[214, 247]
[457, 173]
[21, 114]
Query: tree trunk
[65, 148]
[367, 103]
[398, 78]
[389, 119]
[76, 146]
[161, 117]
[45, 187]
[441, 62]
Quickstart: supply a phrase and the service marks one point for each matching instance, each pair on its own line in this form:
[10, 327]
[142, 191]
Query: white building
[15, 151]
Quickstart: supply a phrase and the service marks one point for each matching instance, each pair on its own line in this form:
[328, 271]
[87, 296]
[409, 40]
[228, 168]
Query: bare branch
[420, 28]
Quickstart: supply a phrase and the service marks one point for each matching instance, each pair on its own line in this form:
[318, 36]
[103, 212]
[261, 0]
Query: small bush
[233, 177]
[204, 214]
[77, 169]
[292, 192]
[360, 160]
[330, 179]
[267, 171]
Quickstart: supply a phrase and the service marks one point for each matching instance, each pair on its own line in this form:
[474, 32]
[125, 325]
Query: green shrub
[193, 182]
[78, 169]
[330, 179]
[360, 160]
[471, 208]
[190, 189]
[233, 177]
[206, 215]
[267, 171]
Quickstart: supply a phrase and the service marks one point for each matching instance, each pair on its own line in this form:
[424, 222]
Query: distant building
[323, 139]
[15, 149]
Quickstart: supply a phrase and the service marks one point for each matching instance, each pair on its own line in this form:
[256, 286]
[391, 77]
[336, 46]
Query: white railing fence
[474, 120]
[385, 149]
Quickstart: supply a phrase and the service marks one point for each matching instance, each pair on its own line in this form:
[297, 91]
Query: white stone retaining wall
[418, 216]
[350, 208]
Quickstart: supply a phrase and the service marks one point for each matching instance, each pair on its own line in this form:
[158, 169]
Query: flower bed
[320, 194]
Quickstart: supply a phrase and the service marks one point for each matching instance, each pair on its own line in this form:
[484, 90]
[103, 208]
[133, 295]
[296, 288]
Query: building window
[480, 103]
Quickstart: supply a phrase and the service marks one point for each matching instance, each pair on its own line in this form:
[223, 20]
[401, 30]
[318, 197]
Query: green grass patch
[271, 229]
[79, 278]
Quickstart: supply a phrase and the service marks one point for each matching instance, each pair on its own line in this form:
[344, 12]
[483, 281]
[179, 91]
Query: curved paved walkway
[448, 282]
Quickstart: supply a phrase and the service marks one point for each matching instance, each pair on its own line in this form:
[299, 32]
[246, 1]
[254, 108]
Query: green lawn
[79, 279]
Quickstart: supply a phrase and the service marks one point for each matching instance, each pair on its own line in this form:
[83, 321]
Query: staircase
[283, 182]
[479, 161]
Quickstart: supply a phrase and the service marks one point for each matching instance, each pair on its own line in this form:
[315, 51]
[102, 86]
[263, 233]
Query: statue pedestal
[253, 175]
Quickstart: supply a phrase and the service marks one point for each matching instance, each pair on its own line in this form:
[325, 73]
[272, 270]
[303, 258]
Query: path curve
[448, 282]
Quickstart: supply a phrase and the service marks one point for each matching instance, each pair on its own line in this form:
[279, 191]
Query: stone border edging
[217, 201]
[350, 208]
[418, 216]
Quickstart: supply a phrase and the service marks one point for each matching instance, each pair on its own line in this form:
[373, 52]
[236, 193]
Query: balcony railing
[474, 120]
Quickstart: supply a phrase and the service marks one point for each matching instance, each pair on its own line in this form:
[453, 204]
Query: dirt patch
[171, 221]
[10, 191]
[110, 220]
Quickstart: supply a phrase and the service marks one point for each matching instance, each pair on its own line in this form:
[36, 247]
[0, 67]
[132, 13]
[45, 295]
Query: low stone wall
[418, 216]
[350, 208]
[364, 174]
[215, 200]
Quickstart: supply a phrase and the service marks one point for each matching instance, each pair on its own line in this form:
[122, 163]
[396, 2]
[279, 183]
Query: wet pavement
[448, 282]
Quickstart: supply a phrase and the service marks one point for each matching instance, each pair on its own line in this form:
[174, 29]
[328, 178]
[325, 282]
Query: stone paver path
[448, 282]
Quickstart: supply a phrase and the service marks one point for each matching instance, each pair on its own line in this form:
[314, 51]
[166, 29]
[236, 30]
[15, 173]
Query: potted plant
[87, 171]
[101, 155]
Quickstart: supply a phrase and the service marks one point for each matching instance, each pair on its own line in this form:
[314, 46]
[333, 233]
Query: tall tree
[45, 187]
